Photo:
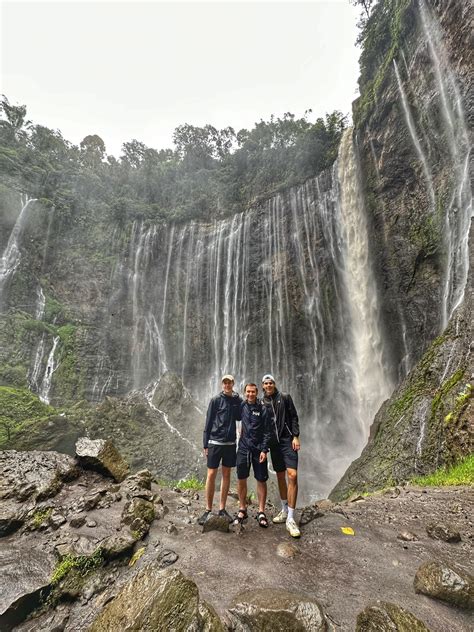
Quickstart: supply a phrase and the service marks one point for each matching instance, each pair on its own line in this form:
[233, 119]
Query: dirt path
[345, 573]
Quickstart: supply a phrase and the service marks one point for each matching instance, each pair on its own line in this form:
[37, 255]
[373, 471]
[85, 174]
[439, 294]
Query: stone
[34, 475]
[388, 617]
[287, 550]
[407, 536]
[77, 520]
[56, 519]
[167, 557]
[157, 600]
[102, 456]
[446, 583]
[172, 529]
[276, 611]
[309, 514]
[26, 571]
[216, 523]
[117, 545]
[138, 514]
[444, 532]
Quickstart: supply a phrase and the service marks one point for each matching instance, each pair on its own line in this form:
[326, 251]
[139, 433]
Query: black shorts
[216, 453]
[244, 458]
[283, 455]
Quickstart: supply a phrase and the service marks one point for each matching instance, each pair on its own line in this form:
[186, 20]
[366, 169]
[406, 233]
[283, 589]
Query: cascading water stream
[11, 255]
[371, 383]
[459, 211]
[44, 393]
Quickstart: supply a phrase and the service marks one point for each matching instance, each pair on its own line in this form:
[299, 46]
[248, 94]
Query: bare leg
[292, 487]
[262, 495]
[282, 488]
[210, 486]
[242, 489]
[225, 484]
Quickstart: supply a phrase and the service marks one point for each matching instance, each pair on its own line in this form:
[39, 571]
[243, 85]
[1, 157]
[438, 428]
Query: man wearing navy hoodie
[219, 440]
[253, 447]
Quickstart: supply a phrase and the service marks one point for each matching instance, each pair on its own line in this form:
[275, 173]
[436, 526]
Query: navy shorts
[216, 453]
[244, 458]
[283, 455]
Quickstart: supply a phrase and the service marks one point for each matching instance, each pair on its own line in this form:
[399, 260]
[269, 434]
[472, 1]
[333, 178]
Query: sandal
[262, 520]
[240, 517]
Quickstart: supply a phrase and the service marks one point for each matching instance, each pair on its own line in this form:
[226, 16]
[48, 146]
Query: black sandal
[240, 517]
[262, 520]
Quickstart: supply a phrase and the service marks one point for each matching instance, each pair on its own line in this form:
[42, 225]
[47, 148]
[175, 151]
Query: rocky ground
[53, 507]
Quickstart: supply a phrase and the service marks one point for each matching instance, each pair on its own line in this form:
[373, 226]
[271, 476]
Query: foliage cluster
[383, 29]
[82, 563]
[460, 474]
[209, 173]
[16, 407]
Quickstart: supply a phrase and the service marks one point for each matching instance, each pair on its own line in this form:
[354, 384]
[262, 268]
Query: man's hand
[295, 444]
[263, 457]
[205, 451]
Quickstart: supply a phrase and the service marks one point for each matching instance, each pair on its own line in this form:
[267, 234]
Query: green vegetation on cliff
[19, 408]
[460, 474]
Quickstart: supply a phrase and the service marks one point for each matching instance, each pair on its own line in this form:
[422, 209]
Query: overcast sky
[127, 70]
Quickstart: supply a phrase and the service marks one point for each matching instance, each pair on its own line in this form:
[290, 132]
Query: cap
[267, 377]
[228, 377]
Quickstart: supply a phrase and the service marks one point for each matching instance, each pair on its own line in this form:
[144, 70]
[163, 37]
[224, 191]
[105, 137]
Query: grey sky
[128, 70]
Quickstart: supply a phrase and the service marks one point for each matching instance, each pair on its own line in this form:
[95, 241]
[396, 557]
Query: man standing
[284, 448]
[253, 447]
[219, 443]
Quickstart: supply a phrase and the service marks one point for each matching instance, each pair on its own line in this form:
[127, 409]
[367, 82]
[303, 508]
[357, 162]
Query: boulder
[26, 571]
[276, 611]
[388, 617]
[102, 456]
[158, 600]
[446, 583]
[34, 475]
[443, 532]
[216, 523]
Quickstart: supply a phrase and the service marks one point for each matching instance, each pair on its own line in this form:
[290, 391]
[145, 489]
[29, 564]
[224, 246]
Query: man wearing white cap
[284, 450]
[219, 440]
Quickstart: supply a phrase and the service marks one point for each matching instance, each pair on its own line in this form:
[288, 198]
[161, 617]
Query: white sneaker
[281, 517]
[292, 528]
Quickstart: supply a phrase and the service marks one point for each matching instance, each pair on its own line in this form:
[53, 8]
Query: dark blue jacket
[222, 414]
[255, 434]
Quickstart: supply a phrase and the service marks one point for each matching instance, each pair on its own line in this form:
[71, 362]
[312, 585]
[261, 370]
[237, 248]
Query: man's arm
[267, 431]
[294, 423]
[208, 425]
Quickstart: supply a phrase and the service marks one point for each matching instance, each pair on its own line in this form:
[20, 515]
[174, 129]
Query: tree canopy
[210, 172]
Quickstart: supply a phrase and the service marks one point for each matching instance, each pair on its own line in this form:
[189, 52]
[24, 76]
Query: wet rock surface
[337, 576]
[387, 617]
[277, 610]
[102, 456]
[446, 582]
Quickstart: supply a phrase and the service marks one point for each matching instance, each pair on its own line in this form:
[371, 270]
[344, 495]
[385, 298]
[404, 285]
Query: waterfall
[440, 108]
[11, 255]
[44, 393]
[416, 143]
[458, 211]
[38, 361]
[371, 383]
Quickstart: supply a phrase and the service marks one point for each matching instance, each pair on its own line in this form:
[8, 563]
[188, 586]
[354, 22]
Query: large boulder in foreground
[388, 617]
[26, 571]
[444, 582]
[102, 456]
[276, 611]
[160, 601]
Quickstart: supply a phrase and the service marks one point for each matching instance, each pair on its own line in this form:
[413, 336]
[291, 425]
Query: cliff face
[415, 144]
[337, 286]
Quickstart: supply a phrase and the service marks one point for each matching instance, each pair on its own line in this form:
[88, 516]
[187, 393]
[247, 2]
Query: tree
[92, 150]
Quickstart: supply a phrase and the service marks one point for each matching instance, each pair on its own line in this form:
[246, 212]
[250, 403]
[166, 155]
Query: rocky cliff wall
[416, 161]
